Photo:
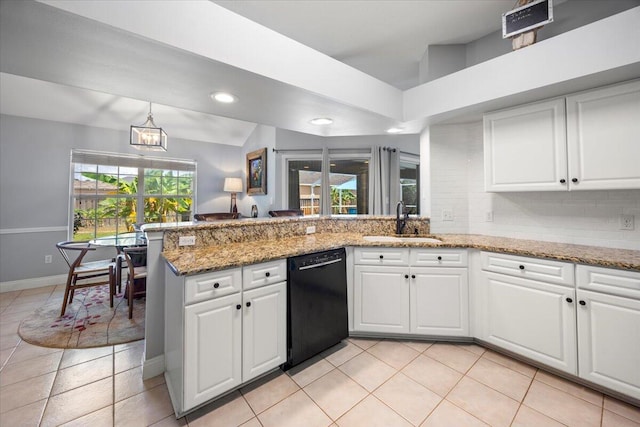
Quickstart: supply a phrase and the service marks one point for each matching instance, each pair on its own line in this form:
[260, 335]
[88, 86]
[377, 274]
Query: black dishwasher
[316, 304]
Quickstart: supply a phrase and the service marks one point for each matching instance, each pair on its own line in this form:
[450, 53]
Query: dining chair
[88, 273]
[134, 272]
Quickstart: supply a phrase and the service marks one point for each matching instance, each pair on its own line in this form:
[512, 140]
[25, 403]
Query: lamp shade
[233, 185]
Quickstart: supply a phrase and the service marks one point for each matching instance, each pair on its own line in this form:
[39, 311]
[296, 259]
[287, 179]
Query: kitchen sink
[415, 239]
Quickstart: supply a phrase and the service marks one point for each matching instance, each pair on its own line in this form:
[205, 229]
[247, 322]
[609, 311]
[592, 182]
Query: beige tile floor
[357, 383]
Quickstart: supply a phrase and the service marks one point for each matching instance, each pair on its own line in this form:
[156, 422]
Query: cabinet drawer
[438, 257]
[206, 286]
[610, 281]
[381, 256]
[267, 273]
[548, 271]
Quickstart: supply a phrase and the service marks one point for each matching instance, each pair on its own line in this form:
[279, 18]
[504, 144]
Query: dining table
[121, 241]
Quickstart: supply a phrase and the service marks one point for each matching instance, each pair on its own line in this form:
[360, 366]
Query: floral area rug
[88, 321]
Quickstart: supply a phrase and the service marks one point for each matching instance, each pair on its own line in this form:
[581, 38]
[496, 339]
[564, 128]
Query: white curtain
[386, 179]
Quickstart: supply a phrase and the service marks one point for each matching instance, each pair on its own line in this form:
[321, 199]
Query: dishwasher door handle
[322, 264]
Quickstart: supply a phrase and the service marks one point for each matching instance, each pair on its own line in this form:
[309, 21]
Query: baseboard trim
[37, 282]
[153, 367]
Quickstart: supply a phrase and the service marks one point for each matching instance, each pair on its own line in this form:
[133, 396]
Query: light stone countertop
[218, 257]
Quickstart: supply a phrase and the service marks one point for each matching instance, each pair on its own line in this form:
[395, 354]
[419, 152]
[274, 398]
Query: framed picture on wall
[257, 172]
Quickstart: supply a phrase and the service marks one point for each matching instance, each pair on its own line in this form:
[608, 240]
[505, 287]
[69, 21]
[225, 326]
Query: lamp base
[233, 208]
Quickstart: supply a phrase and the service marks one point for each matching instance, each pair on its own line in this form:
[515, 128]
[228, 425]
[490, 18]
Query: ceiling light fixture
[321, 121]
[394, 130]
[223, 97]
[148, 136]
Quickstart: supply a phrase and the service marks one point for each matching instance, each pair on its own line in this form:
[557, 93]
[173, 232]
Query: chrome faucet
[401, 216]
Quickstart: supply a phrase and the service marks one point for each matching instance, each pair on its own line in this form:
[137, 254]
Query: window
[409, 183]
[349, 180]
[347, 174]
[112, 192]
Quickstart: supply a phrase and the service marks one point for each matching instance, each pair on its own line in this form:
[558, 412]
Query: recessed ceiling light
[321, 121]
[224, 97]
[394, 130]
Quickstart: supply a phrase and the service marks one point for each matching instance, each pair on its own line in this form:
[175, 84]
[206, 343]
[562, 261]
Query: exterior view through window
[348, 182]
[409, 179]
[109, 199]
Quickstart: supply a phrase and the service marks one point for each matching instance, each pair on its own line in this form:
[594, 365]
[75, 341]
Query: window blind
[128, 160]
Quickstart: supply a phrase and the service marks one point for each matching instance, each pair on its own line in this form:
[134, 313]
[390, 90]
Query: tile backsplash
[579, 217]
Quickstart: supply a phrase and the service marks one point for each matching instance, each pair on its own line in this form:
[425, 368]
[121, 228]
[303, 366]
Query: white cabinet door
[525, 148]
[264, 330]
[531, 318]
[212, 349]
[381, 299]
[609, 341]
[439, 301]
[603, 137]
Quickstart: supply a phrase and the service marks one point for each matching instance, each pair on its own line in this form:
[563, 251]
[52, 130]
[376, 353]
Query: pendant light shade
[148, 136]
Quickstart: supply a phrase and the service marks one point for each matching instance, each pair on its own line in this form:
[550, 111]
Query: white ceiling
[383, 38]
[59, 65]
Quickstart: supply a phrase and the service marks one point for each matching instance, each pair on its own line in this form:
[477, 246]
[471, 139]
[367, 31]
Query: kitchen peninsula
[559, 273]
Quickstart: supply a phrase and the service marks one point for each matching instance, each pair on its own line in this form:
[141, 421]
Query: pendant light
[148, 136]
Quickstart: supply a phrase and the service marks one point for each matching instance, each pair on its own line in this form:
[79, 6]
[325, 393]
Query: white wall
[262, 137]
[579, 217]
[34, 185]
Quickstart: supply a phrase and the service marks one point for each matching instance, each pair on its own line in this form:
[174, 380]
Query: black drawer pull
[248, 303]
[406, 276]
[381, 256]
[581, 302]
[562, 181]
[216, 285]
[413, 276]
[522, 267]
[238, 307]
[267, 274]
[574, 180]
[569, 300]
[439, 258]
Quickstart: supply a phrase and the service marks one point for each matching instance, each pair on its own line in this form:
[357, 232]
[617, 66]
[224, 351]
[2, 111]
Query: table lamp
[233, 186]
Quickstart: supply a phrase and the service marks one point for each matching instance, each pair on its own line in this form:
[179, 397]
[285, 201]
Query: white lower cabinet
[609, 328]
[411, 299]
[381, 299]
[531, 318]
[212, 349]
[215, 345]
[264, 330]
[439, 301]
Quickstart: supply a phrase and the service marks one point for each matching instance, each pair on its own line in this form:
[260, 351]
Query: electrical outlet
[187, 241]
[488, 216]
[48, 259]
[311, 229]
[626, 222]
[447, 214]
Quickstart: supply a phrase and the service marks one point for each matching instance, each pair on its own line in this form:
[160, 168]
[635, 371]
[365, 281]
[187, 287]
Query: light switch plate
[447, 214]
[627, 222]
[311, 229]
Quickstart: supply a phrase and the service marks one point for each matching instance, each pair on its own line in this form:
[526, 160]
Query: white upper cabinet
[592, 145]
[603, 137]
[525, 148]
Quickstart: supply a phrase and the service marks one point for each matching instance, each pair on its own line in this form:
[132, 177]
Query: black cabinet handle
[381, 256]
[248, 303]
[574, 180]
[216, 285]
[439, 258]
[413, 276]
[406, 276]
[238, 307]
[562, 181]
[569, 300]
[522, 267]
[581, 302]
[267, 274]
